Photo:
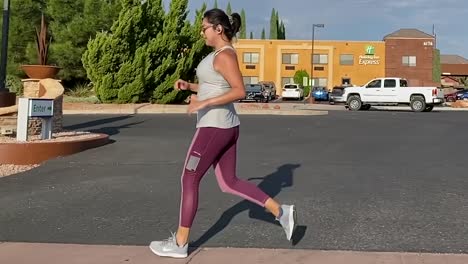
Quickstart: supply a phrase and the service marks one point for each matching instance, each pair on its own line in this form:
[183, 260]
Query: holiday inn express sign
[369, 58]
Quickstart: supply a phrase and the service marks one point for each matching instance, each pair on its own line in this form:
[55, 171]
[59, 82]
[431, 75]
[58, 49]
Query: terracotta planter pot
[40, 71]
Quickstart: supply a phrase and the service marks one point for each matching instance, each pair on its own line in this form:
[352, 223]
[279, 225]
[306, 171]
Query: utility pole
[3, 62]
[311, 99]
[6, 98]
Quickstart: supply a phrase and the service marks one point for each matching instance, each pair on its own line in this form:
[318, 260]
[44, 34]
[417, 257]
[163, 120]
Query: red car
[451, 97]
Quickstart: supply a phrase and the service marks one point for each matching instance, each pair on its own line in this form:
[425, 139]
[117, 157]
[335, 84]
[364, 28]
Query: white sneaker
[169, 248]
[288, 220]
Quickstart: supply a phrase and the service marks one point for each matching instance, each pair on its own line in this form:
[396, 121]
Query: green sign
[370, 50]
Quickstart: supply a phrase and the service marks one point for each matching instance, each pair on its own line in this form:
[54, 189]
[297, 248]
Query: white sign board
[41, 108]
[28, 107]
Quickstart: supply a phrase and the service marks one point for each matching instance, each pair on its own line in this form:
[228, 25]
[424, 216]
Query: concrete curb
[131, 109]
[242, 109]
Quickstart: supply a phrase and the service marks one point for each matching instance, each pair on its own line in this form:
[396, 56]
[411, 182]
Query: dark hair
[230, 25]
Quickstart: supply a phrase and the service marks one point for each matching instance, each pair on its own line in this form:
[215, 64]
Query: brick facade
[422, 49]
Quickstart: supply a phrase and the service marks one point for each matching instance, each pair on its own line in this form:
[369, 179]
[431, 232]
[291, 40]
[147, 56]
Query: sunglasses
[206, 27]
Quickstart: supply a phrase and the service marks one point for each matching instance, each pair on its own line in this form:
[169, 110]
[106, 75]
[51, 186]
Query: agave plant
[42, 42]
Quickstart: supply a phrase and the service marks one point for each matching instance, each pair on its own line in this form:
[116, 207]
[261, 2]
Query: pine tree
[73, 24]
[146, 51]
[263, 33]
[243, 33]
[25, 15]
[215, 4]
[228, 9]
[273, 25]
[193, 50]
[251, 35]
[117, 62]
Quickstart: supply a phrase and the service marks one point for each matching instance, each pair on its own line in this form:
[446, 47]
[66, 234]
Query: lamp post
[3, 62]
[6, 98]
[311, 99]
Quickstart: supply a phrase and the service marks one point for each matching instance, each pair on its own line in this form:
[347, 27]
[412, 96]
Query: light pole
[6, 98]
[3, 62]
[311, 99]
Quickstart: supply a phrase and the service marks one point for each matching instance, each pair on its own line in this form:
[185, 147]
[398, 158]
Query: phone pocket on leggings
[193, 160]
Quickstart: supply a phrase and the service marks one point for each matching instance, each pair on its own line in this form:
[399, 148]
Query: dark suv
[270, 88]
[255, 92]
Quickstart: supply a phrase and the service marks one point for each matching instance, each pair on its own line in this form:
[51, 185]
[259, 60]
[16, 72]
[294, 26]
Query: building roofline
[315, 40]
[422, 34]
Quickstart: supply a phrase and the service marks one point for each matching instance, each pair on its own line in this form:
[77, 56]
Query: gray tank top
[212, 84]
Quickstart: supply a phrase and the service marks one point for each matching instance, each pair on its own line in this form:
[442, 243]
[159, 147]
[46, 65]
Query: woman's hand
[181, 85]
[195, 104]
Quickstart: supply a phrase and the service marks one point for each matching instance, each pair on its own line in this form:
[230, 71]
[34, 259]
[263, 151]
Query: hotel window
[409, 61]
[290, 58]
[346, 59]
[320, 82]
[250, 79]
[286, 80]
[320, 58]
[251, 57]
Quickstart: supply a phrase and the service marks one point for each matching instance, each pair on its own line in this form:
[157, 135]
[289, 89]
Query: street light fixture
[312, 60]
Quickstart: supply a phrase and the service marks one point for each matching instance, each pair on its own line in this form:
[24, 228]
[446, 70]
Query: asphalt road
[374, 181]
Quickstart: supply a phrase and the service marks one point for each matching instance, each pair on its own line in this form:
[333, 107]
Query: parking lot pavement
[371, 181]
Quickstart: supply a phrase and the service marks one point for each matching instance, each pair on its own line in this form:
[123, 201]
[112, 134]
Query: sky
[357, 19]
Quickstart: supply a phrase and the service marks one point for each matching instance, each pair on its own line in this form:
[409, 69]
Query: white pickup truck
[392, 91]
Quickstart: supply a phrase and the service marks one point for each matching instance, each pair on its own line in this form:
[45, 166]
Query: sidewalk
[29, 253]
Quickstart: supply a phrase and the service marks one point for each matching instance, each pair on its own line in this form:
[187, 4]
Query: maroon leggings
[217, 147]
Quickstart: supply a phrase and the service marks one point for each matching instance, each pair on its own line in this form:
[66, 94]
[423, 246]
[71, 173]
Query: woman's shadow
[272, 185]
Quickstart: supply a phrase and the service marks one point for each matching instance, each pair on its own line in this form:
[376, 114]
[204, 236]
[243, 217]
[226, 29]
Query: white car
[292, 90]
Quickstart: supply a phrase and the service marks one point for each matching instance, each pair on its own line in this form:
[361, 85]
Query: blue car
[320, 93]
[462, 95]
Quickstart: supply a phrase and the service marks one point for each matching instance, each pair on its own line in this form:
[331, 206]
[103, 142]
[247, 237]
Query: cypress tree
[243, 33]
[273, 25]
[228, 9]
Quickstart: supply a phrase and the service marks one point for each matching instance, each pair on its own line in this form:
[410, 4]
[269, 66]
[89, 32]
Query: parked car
[462, 95]
[336, 95]
[255, 92]
[270, 87]
[320, 93]
[451, 97]
[292, 90]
